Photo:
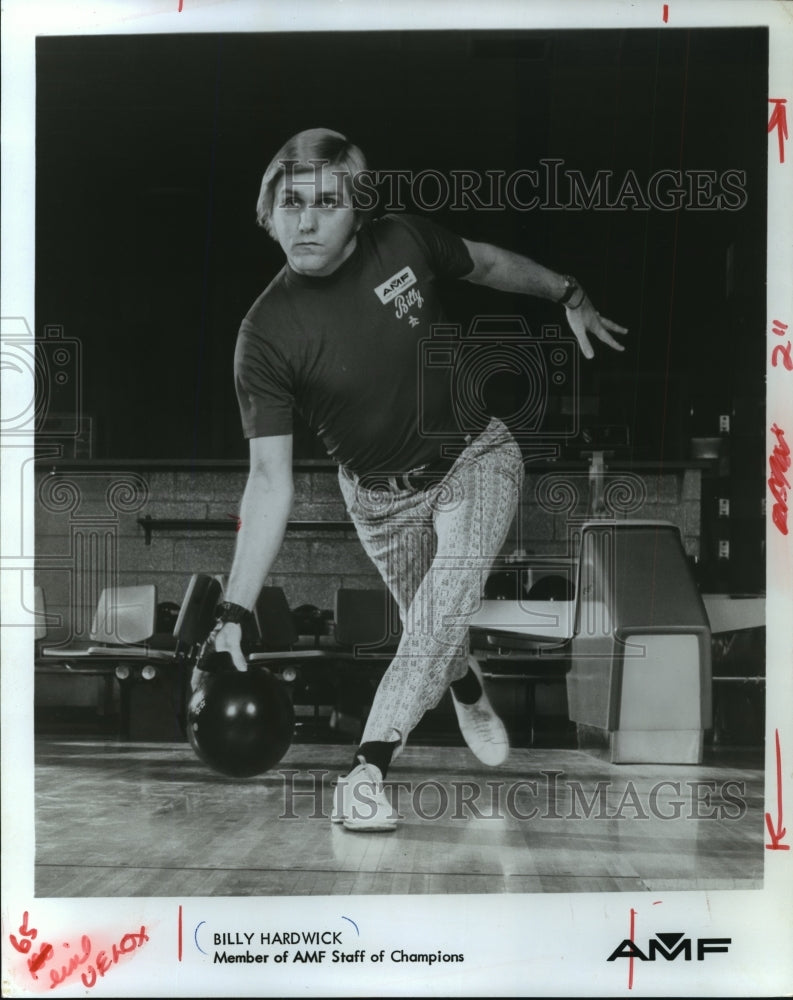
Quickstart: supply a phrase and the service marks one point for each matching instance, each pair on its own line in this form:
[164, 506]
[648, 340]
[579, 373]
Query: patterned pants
[434, 549]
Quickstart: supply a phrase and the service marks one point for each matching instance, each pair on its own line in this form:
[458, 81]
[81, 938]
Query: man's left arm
[510, 272]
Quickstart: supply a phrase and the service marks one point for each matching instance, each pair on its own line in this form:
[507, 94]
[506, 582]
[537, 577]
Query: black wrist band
[570, 288]
[228, 612]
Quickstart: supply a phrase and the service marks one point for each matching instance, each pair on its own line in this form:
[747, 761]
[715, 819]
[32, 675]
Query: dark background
[150, 151]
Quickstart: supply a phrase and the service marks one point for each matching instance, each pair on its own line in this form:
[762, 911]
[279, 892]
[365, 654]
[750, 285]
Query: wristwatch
[570, 288]
[226, 611]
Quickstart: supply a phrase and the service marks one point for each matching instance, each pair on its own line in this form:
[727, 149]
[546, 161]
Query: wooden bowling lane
[148, 819]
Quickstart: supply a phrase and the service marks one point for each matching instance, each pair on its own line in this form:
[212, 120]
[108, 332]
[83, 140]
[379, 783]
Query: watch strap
[227, 611]
[570, 288]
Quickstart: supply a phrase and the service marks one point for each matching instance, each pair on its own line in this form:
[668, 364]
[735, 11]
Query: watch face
[570, 285]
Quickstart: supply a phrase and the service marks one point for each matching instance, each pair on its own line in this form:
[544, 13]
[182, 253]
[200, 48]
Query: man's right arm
[266, 504]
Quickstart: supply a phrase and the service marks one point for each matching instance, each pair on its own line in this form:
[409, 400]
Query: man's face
[314, 220]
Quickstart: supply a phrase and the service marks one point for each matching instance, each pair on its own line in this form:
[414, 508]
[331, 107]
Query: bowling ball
[240, 723]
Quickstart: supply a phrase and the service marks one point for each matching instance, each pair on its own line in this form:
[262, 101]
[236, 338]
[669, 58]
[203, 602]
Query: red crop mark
[630, 958]
[778, 120]
[180, 7]
[666, 13]
[778, 834]
[179, 946]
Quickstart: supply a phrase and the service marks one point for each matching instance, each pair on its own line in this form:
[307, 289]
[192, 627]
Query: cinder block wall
[88, 535]
[555, 504]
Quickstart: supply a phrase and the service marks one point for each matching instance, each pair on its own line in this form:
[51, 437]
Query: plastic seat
[367, 623]
[275, 625]
[197, 612]
[123, 623]
[308, 672]
[278, 636]
[40, 613]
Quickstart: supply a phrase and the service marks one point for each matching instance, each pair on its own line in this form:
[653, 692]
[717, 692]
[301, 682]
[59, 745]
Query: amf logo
[670, 945]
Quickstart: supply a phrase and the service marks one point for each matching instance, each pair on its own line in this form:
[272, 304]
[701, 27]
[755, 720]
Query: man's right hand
[228, 639]
[224, 638]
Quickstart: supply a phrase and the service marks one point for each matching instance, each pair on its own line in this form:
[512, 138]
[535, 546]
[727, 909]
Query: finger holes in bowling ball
[240, 723]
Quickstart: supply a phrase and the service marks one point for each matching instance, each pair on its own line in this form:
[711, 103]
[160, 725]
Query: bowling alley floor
[119, 818]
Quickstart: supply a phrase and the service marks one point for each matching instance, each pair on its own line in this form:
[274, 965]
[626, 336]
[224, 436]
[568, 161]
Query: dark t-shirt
[347, 350]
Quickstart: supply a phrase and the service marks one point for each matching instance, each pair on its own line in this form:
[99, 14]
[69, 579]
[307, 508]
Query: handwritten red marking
[778, 120]
[57, 976]
[179, 949]
[666, 12]
[28, 935]
[35, 962]
[779, 328]
[782, 350]
[234, 517]
[104, 962]
[630, 958]
[180, 7]
[777, 834]
[779, 463]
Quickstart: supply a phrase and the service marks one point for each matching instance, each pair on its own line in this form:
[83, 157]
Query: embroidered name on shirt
[395, 285]
[405, 302]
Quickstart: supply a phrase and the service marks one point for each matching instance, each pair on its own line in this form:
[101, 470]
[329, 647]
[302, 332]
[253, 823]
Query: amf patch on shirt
[396, 284]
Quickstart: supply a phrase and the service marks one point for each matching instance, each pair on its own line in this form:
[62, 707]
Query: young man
[337, 335]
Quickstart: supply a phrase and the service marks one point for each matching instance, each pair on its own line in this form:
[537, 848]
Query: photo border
[514, 944]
